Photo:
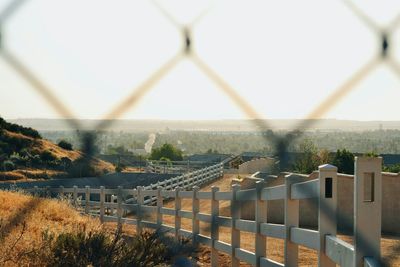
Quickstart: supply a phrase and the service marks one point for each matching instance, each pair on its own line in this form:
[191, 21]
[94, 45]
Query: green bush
[35, 159]
[104, 249]
[344, 161]
[65, 145]
[392, 168]
[167, 151]
[118, 168]
[8, 165]
[47, 156]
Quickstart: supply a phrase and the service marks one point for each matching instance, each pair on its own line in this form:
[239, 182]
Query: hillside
[24, 222]
[24, 154]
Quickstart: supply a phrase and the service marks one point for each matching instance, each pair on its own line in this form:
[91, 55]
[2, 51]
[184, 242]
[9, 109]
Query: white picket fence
[330, 248]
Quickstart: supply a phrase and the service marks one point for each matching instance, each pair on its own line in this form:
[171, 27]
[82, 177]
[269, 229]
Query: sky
[283, 57]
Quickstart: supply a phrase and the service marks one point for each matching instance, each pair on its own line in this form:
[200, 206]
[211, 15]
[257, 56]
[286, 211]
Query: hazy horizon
[235, 125]
[277, 58]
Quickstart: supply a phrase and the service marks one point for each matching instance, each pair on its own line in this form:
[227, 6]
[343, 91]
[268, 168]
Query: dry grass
[23, 220]
[133, 169]
[38, 146]
[30, 174]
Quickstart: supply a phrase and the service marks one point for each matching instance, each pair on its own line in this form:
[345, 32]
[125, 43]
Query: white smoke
[150, 142]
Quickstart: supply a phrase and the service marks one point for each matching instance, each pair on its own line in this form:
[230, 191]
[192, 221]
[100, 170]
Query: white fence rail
[156, 166]
[331, 249]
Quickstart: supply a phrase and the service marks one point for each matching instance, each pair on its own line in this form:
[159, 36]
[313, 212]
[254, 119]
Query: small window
[328, 187]
[369, 180]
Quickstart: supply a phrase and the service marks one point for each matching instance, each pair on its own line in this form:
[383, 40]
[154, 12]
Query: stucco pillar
[327, 211]
[367, 208]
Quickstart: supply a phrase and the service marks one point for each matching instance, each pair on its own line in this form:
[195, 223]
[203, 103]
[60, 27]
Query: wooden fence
[330, 248]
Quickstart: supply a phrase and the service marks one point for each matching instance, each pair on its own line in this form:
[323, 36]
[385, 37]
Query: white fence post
[327, 221]
[139, 209]
[87, 199]
[75, 195]
[119, 206]
[159, 206]
[260, 217]
[61, 195]
[195, 220]
[47, 192]
[178, 220]
[291, 220]
[102, 200]
[112, 210]
[214, 226]
[235, 233]
[367, 209]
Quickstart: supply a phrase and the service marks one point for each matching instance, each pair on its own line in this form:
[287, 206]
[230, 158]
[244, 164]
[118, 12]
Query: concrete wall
[345, 205]
[255, 165]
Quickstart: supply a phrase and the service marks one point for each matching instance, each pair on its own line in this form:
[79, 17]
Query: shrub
[8, 165]
[84, 167]
[47, 156]
[65, 145]
[166, 151]
[35, 159]
[118, 168]
[100, 248]
[392, 168]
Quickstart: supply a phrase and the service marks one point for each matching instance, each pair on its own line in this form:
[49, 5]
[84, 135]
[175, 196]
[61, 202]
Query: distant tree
[19, 129]
[344, 161]
[65, 145]
[167, 151]
[324, 156]
[211, 151]
[66, 163]
[47, 156]
[119, 167]
[309, 160]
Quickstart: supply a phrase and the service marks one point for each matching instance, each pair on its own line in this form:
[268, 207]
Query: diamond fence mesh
[281, 143]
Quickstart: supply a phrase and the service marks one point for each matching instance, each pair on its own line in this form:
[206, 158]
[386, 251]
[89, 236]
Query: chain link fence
[280, 142]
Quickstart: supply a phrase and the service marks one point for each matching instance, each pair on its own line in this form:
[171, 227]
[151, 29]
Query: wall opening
[369, 184]
[328, 187]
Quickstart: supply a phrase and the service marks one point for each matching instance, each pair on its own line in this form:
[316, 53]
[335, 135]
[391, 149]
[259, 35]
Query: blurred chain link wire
[279, 142]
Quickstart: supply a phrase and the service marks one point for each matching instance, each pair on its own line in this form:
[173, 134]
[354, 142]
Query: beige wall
[309, 211]
[255, 165]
